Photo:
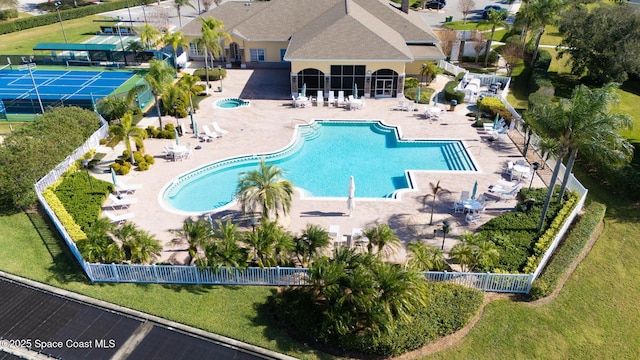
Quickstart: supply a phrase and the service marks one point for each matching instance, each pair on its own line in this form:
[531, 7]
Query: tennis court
[55, 88]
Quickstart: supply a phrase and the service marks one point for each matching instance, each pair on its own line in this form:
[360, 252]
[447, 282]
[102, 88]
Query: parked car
[435, 4]
[496, 8]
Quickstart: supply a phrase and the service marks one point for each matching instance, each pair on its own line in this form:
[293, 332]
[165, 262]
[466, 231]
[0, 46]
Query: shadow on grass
[274, 331]
[564, 84]
[631, 86]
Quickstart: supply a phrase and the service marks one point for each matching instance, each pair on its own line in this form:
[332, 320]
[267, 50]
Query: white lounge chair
[357, 237]
[121, 203]
[491, 126]
[340, 101]
[331, 99]
[400, 106]
[209, 133]
[217, 128]
[120, 219]
[126, 188]
[320, 98]
[505, 191]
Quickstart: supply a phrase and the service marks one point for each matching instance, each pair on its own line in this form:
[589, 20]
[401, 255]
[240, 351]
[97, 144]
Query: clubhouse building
[328, 45]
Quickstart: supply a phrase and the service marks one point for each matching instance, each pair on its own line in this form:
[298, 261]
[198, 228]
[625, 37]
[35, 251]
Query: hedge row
[83, 199]
[72, 227]
[568, 250]
[52, 18]
[8, 14]
[451, 94]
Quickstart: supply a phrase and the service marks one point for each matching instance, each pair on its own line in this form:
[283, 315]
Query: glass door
[384, 88]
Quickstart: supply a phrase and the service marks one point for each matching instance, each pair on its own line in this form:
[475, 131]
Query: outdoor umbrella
[418, 95]
[113, 178]
[355, 91]
[175, 133]
[195, 129]
[351, 201]
[304, 89]
[495, 122]
[193, 123]
[475, 189]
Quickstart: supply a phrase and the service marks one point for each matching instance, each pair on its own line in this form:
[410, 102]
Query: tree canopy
[30, 153]
[606, 52]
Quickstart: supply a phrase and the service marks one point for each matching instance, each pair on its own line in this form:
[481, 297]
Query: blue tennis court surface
[56, 88]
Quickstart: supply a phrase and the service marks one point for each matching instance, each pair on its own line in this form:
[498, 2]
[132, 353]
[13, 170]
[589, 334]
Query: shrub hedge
[568, 250]
[73, 229]
[83, 199]
[214, 74]
[451, 94]
[8, 14]
[52, 17]
[449, 307]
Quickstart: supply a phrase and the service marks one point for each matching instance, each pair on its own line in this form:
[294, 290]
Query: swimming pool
[320, 161]
[231, 103]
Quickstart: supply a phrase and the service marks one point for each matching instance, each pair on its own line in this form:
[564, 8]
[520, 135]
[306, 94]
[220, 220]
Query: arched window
[314, 80]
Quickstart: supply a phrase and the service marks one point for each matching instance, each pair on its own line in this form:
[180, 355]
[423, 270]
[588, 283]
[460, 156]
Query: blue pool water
[321, 161]
[231, 103]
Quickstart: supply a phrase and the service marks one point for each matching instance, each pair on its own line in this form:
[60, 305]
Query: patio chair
[319, 98]
[120, 219]
[126, 188]
[340, 101]
[121, 203]
[294, 102]
[167, 153]
[217, 128]
[400, 106]
[357, 238]
[330, 99]
[209, 133]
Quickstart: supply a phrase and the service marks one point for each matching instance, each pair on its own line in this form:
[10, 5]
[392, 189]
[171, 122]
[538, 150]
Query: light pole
[35, 87]
[424, 66]
[144, 13]
[130, 19]
[85, 165]
[536, 165]
[58, 3]
[220, 75]
[122, 44]
[446, 227]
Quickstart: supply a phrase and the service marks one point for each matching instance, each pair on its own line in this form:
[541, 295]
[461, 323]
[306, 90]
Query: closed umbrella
[418, 95]
[195, 129]
[304, 89]
[355, 91]
[351, 201]
[475, 189]
[495, 122]
[113, 178]
[175, 133]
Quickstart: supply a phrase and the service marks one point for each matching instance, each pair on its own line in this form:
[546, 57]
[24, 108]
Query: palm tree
[224, 250]
[495, 19]
[149, 35]
[264, 188]
[126, 131]
[160, 75]
[463, 254]
[308, 244]
[196, 234]
[139, 245]
[113, 107]
[383, 238]
[430, 70]
[423, 257]
[176, 40]
[436, 192]
[584, 122]
[540, 13]
[212, 33]
[178, 4]
[173, 95]
[190, 87]
[547, 146]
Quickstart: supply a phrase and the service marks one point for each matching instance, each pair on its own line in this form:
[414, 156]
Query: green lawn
[22, 42]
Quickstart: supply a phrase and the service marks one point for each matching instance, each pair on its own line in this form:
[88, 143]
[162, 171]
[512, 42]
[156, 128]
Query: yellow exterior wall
[414, 68]
[271, 49]
[325, 66]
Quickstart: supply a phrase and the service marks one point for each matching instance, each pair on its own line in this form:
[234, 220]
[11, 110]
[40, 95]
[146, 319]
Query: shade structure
[175, 133]
[475, 189]
[351, 200]
[113, 177]
[418, 95]
[195, 129]
[304, 89]
[355, 91]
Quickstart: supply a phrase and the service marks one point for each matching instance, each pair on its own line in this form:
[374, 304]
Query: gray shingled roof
[347, 32]
[326, 29]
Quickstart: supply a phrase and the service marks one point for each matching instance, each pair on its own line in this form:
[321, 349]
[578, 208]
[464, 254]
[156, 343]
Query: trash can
[454, 102]
[448, 19]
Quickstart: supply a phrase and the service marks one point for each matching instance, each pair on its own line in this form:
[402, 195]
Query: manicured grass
[470, 25]
[5, 127]
[236, 312]
[551, 36]
[22, 42]
[630, 104]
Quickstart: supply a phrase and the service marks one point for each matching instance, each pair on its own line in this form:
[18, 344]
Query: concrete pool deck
[268, 126]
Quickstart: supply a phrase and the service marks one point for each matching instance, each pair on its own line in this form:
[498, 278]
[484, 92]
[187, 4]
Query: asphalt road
[436, 18]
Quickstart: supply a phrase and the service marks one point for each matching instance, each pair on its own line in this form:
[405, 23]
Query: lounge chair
[121, 203]
[320, 98]
[120, 219]
[400, 106]
[209, 133]
[331, 99]
[217, 128]
[340, 101]
[294, 102]
[357, 238]
[506, 191]
[126, 188]
[491, 126]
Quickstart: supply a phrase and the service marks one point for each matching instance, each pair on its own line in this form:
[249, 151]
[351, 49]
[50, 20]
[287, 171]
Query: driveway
[436, 18]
